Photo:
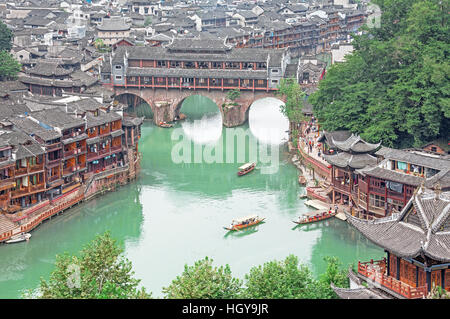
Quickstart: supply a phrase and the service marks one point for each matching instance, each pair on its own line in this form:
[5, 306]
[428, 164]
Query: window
[274, 81]
[275, 71]
[118, 67]
[118, 77]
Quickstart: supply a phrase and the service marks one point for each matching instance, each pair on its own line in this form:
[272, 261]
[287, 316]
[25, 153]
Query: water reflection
[267, 123]
[204, 120]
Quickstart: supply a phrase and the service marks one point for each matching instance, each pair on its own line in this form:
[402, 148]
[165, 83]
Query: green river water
[174, 212]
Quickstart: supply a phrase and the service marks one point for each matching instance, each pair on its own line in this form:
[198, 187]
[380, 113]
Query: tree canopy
[294, 96]
[5, 37]
[394, 87]
[203, 281]
[100, 272]
[9, 67]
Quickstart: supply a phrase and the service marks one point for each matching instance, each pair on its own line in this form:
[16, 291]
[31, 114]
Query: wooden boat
[18, 238]
[238, 224]
[246, 168]
[302, 180]
[180, 117]
[316, 216]
[164, 124]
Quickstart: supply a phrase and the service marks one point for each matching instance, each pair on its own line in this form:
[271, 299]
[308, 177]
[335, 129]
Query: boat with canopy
[244, 222]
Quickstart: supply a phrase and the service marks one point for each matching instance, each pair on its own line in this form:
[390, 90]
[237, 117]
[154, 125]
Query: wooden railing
[313, 161]
[27, 227]
[375, 271]
[310, 192]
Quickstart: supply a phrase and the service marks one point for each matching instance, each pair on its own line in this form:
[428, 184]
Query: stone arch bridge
[166, 103]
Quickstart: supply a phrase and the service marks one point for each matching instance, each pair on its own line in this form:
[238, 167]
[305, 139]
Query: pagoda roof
[355, 161]
[46, 68]
[199, 45]
[422, 228]
[439, 180]
[335, 135]
[355, 144]
[355, 293]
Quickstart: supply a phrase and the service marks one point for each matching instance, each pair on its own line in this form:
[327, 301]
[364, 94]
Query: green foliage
[280, 280]
[394, 87]
[334, 274]
[203, 281]
[5, 37]
[233, 94]
[9, 67]
[437, 292]
[147, 21]
[294, 95]
[99, 273]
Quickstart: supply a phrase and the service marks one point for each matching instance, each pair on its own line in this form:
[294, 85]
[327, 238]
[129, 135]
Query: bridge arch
[136, 104]
[178, 106]
[266, 120]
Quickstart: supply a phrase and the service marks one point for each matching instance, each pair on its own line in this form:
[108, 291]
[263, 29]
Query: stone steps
[6, 224]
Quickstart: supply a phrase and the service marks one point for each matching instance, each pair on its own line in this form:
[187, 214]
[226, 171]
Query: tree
[334, 274]
[437, 292]
[9, 67]
[100, 272]
[394, 87]
[233, 94]
[147, 21]
[203, 281]
[5, 37]
[280, 280]
[294, 95]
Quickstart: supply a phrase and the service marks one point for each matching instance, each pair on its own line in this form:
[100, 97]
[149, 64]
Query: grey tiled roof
[335, 135]
[199, 73]
[46, 68]
[113, 24]
[355, 161]
[355, 144]
[57, 118]
[391, 175]
[75, 139]
[32, 128]
[408, 240]
[434, 162]
[356, 293]
[158, 53]
[132, 121]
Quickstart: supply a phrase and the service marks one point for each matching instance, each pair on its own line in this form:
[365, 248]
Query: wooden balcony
[53, 162]
[338, 185]
[69, 170]
[21, 171]
[53, 147]
[375, 271]
[36, 168]
[28, 190]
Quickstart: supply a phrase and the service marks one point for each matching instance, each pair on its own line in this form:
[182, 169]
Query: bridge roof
[198, 73]
[160, 53]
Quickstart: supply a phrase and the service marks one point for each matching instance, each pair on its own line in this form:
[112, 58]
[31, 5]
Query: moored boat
[165, 124]
[312, 217]
[18, 238]
[246, 168]
[302, 180]
[238, 224]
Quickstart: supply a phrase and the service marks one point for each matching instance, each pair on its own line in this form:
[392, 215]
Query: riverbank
[317, 185]
[95, 184]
